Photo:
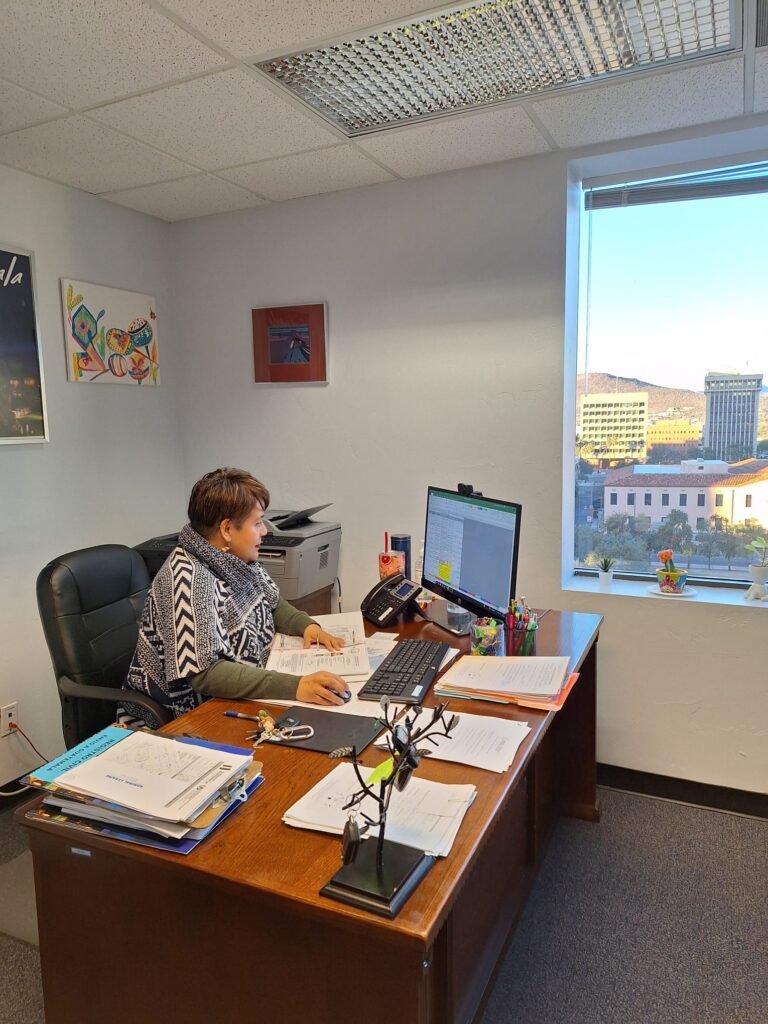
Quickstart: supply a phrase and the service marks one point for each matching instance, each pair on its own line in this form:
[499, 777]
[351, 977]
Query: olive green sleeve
[290, 620]
[232, 680]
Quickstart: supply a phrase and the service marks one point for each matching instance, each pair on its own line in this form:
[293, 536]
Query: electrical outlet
[8, 715]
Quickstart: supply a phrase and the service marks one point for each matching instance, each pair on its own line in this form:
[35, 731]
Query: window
[670, 268]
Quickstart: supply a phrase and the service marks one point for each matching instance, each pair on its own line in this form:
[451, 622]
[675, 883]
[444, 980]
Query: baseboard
[720, 798]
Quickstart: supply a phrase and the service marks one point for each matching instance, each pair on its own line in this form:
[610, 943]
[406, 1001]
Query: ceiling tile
[86, 51]
[761, 80]
[217, 121]
[690, 95]
[250, 28]
[20, 107]
[309, 174]
[190, 197]
[449, 143]
[78, 152]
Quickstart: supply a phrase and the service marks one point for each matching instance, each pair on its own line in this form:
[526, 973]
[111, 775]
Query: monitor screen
[470, 550]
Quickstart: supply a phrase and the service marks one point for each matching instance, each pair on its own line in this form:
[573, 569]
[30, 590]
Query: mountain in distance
[682, 404]
[687, 404]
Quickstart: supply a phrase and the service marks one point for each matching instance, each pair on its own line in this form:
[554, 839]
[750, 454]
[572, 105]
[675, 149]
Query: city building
[730, 425]
[700, 488]
[613, 426]
[673, 433]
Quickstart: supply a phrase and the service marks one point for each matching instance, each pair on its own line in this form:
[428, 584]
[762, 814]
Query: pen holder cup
[487, 638]
[391, 563]
[522, 642]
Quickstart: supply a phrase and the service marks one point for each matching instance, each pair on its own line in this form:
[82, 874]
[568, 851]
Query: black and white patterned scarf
[204, 605]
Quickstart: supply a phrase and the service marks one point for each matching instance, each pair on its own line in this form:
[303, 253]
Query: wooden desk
[237, 931]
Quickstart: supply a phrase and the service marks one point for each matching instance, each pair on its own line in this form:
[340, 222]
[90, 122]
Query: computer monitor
[470, 550]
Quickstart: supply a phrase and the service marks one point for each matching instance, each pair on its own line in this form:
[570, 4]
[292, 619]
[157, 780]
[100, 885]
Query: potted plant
[605, 571]
[671, 580]
[758, 570]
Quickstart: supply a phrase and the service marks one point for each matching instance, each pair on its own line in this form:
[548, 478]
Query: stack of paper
[377, 647]
[477, 740]
[426, 815]
[533, 682]
[148, 789]
[288, 653]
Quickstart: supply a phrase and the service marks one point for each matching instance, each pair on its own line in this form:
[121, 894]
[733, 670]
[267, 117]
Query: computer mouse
[347, 696]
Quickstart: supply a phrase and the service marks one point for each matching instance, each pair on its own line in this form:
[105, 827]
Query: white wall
[446, 300]
[112, 470]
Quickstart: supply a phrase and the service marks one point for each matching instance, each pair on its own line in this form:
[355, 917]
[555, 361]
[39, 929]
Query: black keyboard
[406, 673]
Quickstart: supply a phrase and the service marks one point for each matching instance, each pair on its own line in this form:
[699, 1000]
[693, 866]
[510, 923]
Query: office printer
[301, 555]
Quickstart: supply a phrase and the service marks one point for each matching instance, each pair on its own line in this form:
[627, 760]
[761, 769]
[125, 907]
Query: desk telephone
[388, 599]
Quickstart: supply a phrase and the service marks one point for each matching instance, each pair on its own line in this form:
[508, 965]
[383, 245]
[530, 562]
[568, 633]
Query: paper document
[288, 653]
[156, 775]
[426, 815]
[541, 677]
[478, 740]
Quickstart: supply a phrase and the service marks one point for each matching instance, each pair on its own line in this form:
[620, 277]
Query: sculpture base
[381, 892]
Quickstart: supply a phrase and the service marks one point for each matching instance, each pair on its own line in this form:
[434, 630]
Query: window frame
[580, 180]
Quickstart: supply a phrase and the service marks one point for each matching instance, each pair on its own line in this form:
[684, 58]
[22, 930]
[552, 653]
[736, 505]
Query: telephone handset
[388, 599]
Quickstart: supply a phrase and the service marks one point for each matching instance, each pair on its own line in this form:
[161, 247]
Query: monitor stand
[448, 616]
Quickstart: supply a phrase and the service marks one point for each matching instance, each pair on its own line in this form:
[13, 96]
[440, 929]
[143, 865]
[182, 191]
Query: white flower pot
[604, 579]
[758, 590]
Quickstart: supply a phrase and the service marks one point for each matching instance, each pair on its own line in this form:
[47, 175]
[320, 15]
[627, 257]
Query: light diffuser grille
[471, 56]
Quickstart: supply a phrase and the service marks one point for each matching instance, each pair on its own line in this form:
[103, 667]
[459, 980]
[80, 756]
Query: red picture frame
[290, 344]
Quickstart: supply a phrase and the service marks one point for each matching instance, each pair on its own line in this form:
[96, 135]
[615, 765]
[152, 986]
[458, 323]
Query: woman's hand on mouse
[314, 634]
[321, 688]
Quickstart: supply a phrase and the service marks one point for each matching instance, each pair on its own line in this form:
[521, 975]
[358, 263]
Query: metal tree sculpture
[395, 773]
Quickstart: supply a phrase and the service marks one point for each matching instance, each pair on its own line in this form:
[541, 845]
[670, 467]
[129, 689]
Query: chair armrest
[70, 688]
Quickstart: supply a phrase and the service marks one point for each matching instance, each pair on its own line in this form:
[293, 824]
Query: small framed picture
[22, 393]
[290, 344]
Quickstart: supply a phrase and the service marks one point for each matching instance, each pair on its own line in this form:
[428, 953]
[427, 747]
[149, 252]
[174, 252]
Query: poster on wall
[290, 344]
[22, 395]
[110, 334]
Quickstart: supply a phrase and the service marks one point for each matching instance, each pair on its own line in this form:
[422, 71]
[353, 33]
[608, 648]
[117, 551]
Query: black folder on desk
[331, 730]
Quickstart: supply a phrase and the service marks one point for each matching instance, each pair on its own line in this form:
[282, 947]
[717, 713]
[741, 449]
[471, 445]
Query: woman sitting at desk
[212, 612]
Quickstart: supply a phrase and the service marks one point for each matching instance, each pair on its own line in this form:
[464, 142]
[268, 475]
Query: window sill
[732, 596]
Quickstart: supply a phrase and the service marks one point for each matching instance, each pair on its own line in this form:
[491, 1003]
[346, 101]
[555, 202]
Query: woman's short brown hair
[224, 494]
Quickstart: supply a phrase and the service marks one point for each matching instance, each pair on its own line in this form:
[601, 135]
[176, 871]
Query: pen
[239, 714]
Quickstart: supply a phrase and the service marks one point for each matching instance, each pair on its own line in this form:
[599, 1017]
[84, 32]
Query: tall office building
[730, 424]
[614, 425]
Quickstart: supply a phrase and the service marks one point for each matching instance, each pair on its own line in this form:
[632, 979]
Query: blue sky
[679, 289]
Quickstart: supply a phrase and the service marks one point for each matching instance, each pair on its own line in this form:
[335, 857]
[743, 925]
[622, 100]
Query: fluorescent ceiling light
[467, 57]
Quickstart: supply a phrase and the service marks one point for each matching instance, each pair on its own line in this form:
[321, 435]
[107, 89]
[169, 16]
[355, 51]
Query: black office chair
[90, 605]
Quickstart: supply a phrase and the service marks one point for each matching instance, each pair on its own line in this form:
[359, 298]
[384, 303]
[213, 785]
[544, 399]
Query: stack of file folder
[532, 682]
[168, 793]
[425, 815]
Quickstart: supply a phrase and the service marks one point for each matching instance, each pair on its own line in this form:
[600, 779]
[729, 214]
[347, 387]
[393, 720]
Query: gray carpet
[659, 915]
